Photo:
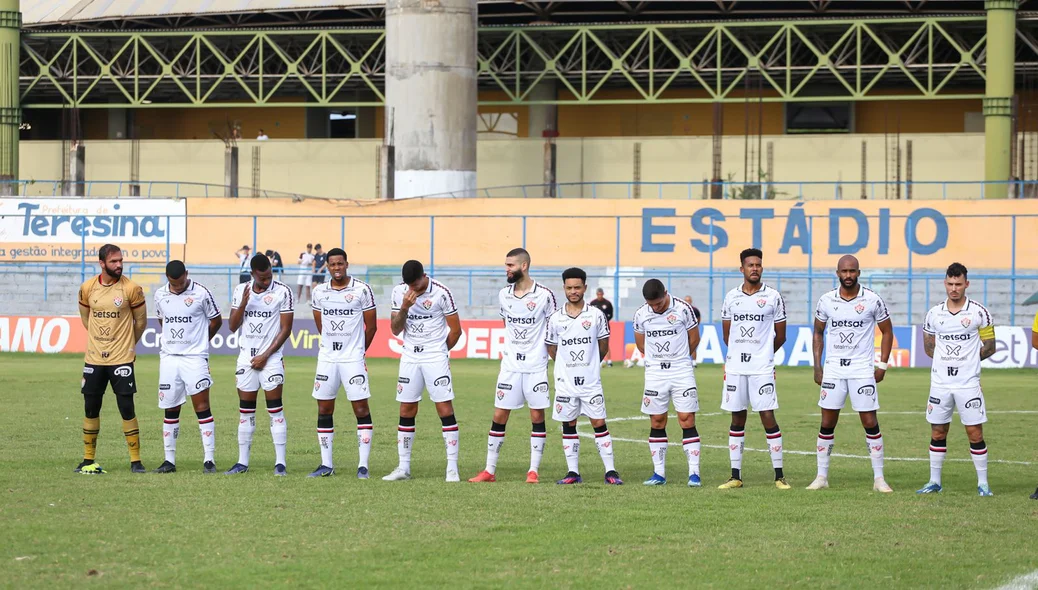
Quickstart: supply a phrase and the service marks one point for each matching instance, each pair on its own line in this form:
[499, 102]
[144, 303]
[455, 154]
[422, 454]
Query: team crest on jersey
[859, 308]
[531, 305]
[349, 298]
[427, 303]
[672, 319]
[188, 301]
[117, 301]
[762, 302]
[268, 299]
[586, 324]
[965, 322]
[500, 394]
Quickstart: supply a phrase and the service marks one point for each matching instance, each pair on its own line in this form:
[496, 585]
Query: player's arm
[603, 347]
[454, 324]
[929, 342]
[780, 335]
[214, 326]
[726, 328]
[398, 317]
[84, 307]
[1034, 338]
[886, 330]
[284, 331]
[693, 341]
[639, 341]
[987, 341]
[371, 327]
[817, 345]
[238, 308]
[317, 320]
[139, 309]
[551, 339]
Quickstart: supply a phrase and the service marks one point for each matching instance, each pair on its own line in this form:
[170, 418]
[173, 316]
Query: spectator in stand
[244, 255]
[306, 271]
[605, 307]
[262, 136]
[320, 265]
[275, 263]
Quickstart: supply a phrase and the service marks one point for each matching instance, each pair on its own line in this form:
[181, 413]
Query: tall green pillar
[10, 104]
[998, 94]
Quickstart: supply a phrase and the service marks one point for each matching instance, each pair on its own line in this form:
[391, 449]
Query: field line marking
[1024, 582]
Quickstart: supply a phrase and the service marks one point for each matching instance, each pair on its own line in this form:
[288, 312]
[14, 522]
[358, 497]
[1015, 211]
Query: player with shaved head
[845, 325]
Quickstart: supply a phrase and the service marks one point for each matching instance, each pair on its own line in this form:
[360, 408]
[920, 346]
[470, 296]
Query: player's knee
[599, 425]
[126, 407]
[325, 408]
[569, 428]
[659, 421]
[92, 405]
[361, 409]
[172, 413]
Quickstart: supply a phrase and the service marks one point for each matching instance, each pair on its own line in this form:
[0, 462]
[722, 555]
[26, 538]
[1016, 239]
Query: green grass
[187, 529]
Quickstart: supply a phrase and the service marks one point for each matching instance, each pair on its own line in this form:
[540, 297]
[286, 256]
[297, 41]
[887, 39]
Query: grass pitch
[187, 529]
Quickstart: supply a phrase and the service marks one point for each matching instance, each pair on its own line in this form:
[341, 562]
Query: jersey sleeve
[880, 310]
[288, 301]
[603, 326]
[368, 297]
[501, 303]
[780, 309]
[84, 298]
[447, 302]
[986, 327]
[158, 304]
[691, 322]
[820, 313]
[397, 298]
[137, 298]
[315, 300]
[928, 322]
[239, 293]
[551, 335]
[726, 312]
[212, 310]
[553, 305]
[1034, 327]
[637, 323]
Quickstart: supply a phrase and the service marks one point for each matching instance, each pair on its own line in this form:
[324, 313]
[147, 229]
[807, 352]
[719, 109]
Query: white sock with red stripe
[826, 442]
[450, 441]
[495, 440]
[658, 450]
[938, 451]
[736, 444]
[571, 447]
[365, 433]
[692, 447]
[246, 428]
[604, 442]
[207, 428]
[875, 442]
[170, 434]
[538, 436]
[775, 448]
[404, 442]
[278, 430]
[326, 438]
[979, 451]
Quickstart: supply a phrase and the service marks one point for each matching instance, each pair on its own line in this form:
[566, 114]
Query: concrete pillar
[543, 117]
[10, 107]
[117, 123]
[998, 94]
[230, 171]
[431, 96]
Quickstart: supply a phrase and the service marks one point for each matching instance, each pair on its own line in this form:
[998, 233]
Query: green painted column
[998, 94]
[10, 107]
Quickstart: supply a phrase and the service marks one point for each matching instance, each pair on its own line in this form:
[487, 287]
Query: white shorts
[749, 391]
[863, 393]
[969, 402]
[181, 376]
[665, 386]
[304, 278]
[269, 377]
[353, 377]
[433, 376]
[515, 389]
[569, 405]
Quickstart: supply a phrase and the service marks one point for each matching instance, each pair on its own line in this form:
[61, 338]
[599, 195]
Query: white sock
[736, 442]
[365, 432]
[604, 442]
[246, 428]
[170, 434]
[326, 439]
[875, 442]
[450, 441]
[537, 440]
[980, 462]
[692, 446]
[937, 455]
[495, 440]
[826, 442]
[207, 428]
[571, 447]
[775, 448]
[404, 442]
[658, 450]
[278, 432]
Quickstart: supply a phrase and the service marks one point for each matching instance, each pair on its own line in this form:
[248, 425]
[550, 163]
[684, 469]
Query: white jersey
[577, 358]
[262, 319]
[342, 320]
[425, 331]
[666, 335]
[526, 323]
[956, 353]
[185, 319]
[850, 332]
[751, 336]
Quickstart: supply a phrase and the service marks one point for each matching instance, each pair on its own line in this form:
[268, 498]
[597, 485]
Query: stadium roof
[178, 14]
